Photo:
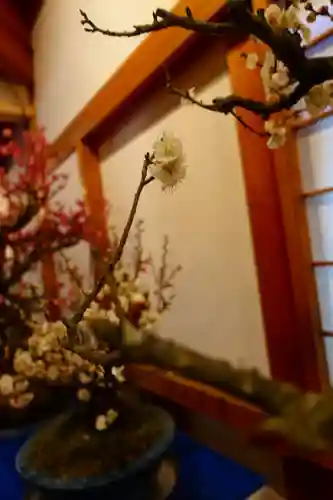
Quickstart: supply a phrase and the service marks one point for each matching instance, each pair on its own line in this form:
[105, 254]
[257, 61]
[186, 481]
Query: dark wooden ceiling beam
[16, 58]
[11, 18]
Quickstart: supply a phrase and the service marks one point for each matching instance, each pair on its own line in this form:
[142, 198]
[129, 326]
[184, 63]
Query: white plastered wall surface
[217, 309]
[72, 65]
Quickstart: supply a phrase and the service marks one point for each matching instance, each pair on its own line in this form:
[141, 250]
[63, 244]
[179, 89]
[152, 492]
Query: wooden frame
[283, 317]
[288, 314]
[19, 106]
[285, 320]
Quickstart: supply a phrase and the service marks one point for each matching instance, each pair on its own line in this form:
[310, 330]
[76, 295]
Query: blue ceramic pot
[133, 482]
[11, 441]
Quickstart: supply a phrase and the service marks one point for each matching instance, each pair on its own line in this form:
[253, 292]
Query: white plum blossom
[169, 161]
[9, 252]
[4, 205]
[319, 98]
[53, 372]
[277, 134]
[124, 302]
[47, 337]
[280, 78]
[266, 72]
[21, 385]
[23, 363]
[60, 364]
[6, 385]
[252, 60]
[118, 373]
[138, 298]
[101, 423]
[112, 317]
[273, 15]
[21, 401]
[289, 19]
[148, 319]
[111, 416]
[275, 77]
[84, 395]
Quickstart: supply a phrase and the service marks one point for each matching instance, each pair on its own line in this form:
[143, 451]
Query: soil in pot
[69, 447]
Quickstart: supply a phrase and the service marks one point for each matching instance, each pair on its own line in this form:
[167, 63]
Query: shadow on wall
[202, 68]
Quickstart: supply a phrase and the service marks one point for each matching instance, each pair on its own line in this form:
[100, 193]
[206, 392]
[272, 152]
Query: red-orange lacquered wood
[89, 167]
[269, 237]
[218, 405]
[198, 397]
[311, 357]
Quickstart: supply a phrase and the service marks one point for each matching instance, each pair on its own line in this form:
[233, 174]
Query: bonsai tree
[32, 226]
[294, 83]
[87, 357]
[83, 351]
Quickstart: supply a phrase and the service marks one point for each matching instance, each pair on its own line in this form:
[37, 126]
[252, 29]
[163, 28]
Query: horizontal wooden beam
[302, 123]
[322, 263]
[136, 72]
[317, 192]
[237, 414]
[320, 38]
[13, 112]
[197, 397]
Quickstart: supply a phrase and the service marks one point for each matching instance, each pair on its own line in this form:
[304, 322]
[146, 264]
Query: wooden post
[89, 166]
[307, 481]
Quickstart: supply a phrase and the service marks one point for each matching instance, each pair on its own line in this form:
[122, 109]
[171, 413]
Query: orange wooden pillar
[89, 167]
[282, 255]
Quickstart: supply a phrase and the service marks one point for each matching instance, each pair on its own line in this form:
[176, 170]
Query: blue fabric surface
[206, 475]
[203, 474]
[11, 486]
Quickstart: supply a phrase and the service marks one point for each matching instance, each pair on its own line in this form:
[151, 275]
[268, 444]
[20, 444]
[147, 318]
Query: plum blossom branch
[162, 19]
[185, 94]
[36, 254]
[279, 29]
[120, 247]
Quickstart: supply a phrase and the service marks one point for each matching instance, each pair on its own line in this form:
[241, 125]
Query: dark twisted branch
[116, 255]
[185, 94]
[162, 19]
[286, 46]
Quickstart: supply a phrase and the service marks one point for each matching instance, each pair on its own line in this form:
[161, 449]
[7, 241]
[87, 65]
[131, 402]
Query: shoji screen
[315, 148]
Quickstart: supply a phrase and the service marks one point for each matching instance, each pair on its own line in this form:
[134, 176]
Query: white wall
[217, 309]
[71, 62]
[217, 306]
